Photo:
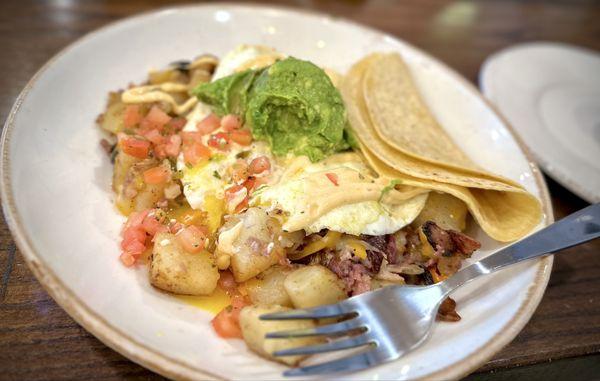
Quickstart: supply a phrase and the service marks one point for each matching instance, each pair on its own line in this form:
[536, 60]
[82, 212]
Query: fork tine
[341, 328]
[352, 342]
[328, 311]
[345, 364]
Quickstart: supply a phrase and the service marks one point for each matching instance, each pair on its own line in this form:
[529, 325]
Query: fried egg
[208, 178]
[366, 217]
[211, 178]
[245, 57]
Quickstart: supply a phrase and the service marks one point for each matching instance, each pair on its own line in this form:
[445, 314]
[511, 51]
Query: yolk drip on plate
[211, 303]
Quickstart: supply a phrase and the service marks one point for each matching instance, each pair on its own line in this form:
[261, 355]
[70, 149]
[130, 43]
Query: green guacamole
[292, 105]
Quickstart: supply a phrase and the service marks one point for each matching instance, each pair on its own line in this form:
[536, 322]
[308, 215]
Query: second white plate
[551, 94]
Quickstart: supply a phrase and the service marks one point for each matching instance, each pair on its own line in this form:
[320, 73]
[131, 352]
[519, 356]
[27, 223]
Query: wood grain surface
[39, 341]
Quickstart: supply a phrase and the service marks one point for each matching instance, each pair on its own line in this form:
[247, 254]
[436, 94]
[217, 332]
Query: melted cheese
[354, 204]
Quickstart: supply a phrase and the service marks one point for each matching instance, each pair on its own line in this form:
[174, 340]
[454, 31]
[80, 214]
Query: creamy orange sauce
[213, 303]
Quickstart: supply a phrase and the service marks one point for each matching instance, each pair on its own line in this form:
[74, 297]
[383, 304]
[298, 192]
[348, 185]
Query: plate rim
[555, 172]
[158, 362]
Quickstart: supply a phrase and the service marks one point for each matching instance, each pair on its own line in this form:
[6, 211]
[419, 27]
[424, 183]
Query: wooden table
[39, 341]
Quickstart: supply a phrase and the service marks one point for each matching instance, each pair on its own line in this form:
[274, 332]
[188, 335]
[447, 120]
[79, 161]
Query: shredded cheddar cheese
[330, 241]
[358, 247]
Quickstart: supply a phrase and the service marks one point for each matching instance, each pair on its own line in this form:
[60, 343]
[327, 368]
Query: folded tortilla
[418, 152]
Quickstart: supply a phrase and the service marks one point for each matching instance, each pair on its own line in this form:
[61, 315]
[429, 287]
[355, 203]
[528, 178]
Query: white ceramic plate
[551, 94]
[58, 204]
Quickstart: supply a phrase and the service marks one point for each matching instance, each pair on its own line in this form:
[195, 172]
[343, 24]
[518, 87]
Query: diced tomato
[175, 227]
[157, 175]
[136, 218]
[231, 192]
[191, 137]
[260, 181]
[241, 137]
[195, 153]
[191, 239]
[238, 302]
[154, 136]
[173, 146]
[134, 237]
[156, 118]
[127, 259]
[219, 140]
[227, 282]
[241, 206]
[133, 233]
[160, 151]
[134, 248]
[132, 116]
[227, 324]
[176, 124]
[208, 124]
[333, 178]
[230, 122]
[239, 171]
[135, 147]
[249, 183]
[152, 224]
[259, 165]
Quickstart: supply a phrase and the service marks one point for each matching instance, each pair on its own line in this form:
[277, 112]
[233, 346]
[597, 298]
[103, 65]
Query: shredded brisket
[449, 242]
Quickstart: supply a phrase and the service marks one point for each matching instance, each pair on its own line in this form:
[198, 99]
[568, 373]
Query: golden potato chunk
[313, 286]
[267, 288]
[254, 331]
[252, 244]
[112, 119]
[445, 210]
[175, 270]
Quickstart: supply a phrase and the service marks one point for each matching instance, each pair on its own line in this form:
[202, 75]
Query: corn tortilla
[504, 216]
[401, 118]
[503, 209]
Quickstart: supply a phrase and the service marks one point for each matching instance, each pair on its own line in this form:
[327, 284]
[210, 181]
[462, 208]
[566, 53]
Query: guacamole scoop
[292, 105]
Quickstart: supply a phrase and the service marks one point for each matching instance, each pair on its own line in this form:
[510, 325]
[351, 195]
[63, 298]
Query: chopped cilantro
[216, 174]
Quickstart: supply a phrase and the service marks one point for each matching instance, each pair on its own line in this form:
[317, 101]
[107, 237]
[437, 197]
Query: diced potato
[148, 195]
[133, 194]
[312, 286]
[267, 288]
[173, 269]
[254, 331]
[380, 283]
[445, 210]
[250, 243]
[112, 119]
[123, 162]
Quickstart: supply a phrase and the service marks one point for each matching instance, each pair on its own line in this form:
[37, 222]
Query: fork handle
[577, 228]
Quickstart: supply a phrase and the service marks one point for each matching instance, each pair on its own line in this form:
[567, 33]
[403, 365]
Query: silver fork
[387, 323]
